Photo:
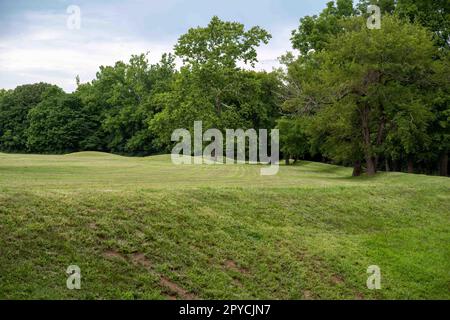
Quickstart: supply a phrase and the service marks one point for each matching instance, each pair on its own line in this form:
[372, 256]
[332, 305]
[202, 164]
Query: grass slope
[142, 228]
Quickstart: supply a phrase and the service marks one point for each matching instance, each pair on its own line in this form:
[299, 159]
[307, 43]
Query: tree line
[374, 99]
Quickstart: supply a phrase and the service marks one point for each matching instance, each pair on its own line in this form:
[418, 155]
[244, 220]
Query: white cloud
[67, 61]
[280, 43]
[46, 50]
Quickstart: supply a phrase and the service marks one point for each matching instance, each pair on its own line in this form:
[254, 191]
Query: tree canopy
[377, 99]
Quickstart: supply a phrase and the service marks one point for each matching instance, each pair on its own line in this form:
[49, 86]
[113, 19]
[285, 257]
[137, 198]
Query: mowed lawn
[143, 228]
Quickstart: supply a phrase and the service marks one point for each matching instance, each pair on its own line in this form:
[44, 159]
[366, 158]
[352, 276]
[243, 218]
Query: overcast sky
[37, 45]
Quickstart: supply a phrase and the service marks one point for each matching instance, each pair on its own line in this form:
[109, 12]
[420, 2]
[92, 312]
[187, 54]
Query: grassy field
[142, 228]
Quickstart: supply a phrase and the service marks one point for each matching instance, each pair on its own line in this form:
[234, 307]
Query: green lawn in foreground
[142, 228]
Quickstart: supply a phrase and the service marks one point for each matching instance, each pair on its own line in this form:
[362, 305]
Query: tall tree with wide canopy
[213, 87]
[221, 43]
[369, 85]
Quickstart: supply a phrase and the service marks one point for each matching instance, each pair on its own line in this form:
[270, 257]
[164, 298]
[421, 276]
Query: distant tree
[439, 128]
[294, 140]
[14, 107]
[94, 109]
[121, 100]
[57, 123]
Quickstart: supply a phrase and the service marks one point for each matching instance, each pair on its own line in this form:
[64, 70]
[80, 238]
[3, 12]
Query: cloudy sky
[36, 43]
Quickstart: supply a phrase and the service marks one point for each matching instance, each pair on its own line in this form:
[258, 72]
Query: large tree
[212, 85]
[369, 85]
[212, 54]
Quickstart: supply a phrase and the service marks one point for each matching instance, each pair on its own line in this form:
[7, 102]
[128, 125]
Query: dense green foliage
[379, 97]
[375, 99]
[212, 88]
[57, 124]
[14, 107]
[121, 101]
[370, 92]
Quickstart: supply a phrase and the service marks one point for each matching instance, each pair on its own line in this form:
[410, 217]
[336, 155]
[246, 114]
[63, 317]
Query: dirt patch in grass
[174, 289]
[359, 296]
[307, 295]
[139, 258]
[111, 255]
[237, 283]
[231, 265]
[335, 279]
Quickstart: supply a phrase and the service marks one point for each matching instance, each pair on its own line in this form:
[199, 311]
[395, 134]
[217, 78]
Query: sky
[41, 41]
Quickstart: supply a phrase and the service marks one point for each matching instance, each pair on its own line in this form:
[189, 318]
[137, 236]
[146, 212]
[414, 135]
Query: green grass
[142, 228]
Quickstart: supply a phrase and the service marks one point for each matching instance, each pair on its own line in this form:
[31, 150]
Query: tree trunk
[370, 159]
[286, 161]
[386, 162]
[370, 166]
[410, 165]
[380, 135]
[218, 104]
[443, 165]
[357, 170]
[395, 165]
